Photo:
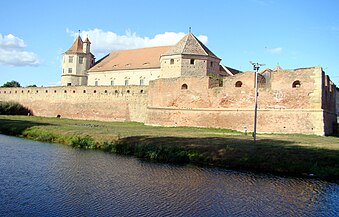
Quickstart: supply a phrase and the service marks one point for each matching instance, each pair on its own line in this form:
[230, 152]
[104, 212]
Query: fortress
[183, 85]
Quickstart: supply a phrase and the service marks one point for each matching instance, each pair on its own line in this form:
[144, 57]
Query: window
[81, 60]
[112, 82]
[184, 87]
[211, 64]
[69, 84]
[69, 70]
[296, 84]
[141, 82]
[70, 59]
[126, 82]
[192, 61]
[238, 84]
[96, 83]
[172, 61]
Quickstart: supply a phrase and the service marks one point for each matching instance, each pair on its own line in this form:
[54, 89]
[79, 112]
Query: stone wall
[95, 103]
[294, 101]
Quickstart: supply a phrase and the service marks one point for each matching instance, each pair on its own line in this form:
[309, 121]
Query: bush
[84, 142]
[13, 108]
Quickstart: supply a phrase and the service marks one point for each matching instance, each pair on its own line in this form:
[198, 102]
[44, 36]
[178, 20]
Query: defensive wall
[292, 101]
[105, 103]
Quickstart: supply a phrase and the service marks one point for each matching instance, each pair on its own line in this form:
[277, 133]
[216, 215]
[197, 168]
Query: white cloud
[12, 52]
[276, 50]
[104, 42]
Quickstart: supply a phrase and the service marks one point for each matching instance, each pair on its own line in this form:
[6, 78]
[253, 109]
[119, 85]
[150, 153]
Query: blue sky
[291, 33]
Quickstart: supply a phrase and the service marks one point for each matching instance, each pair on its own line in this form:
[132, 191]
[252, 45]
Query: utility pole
[256, 67]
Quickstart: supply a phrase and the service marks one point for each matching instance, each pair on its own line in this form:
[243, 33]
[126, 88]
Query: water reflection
[41, 179]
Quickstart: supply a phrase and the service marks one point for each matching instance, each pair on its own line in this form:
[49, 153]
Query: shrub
[84, 142]
[13, 108]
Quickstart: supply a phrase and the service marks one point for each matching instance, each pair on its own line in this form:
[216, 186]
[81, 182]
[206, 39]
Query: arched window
[296, 84]
[184, 87]
[238, 84]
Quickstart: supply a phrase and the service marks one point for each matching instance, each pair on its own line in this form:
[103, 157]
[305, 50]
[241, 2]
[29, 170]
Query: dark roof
[189, 44]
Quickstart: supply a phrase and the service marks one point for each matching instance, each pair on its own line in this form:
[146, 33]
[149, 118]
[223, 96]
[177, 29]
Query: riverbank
[293, 155]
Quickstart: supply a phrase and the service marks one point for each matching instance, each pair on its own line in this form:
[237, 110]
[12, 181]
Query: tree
[33, 85]
[11, 84]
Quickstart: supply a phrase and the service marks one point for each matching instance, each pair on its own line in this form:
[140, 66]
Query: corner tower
[189, 57]
[76, 62]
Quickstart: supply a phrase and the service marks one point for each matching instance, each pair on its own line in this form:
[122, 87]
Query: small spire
[79, 32]
[189, 29]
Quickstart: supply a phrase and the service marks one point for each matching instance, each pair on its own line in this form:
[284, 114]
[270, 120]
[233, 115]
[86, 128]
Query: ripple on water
[41, 179]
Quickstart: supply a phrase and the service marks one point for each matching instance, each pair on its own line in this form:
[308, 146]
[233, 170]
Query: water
[39, 179]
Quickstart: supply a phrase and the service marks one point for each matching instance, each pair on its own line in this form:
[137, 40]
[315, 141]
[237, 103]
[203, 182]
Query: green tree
[33, 85]
[11, 84]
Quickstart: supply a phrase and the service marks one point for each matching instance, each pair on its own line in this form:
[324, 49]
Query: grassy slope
[282, 154]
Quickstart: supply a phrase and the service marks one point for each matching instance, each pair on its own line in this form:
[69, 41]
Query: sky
[290, 33]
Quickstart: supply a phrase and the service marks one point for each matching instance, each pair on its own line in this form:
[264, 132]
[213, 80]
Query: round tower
[76, 62]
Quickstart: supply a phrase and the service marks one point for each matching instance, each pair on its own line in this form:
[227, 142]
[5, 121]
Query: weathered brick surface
[309, 108]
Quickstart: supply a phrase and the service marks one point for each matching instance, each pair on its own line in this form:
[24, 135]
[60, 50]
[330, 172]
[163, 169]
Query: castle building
[183, 85]
[189, 57]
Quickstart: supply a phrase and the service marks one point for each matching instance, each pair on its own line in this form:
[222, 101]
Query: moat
[41, 179]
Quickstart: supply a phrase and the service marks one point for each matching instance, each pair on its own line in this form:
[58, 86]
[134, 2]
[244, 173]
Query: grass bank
[295, 155]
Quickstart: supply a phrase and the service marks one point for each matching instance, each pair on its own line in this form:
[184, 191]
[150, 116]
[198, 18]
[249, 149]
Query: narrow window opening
[81, 60]
[238, 84]
[84, 91]
[69, 70]
[296, 84]
[192, 61]
[126, 82]
[105, 91]
[96, 83]
[94, 91]
[70, 59]
[141, 91]
[184, 87]
[128, 91]
[172, 61]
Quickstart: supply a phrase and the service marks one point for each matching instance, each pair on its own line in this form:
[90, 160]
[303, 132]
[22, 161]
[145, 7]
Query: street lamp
[256, 67]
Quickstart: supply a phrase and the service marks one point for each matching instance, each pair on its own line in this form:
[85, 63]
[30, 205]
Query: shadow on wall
[14, 108]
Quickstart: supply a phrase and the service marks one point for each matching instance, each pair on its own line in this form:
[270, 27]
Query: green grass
[297, 155]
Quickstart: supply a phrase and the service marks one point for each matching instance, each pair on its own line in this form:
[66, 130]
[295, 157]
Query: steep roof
[227, 71]
[77, 46]
[141, 58]
[189, 44]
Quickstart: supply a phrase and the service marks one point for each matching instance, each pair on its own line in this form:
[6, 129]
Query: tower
[76, 62]
[189, 57]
